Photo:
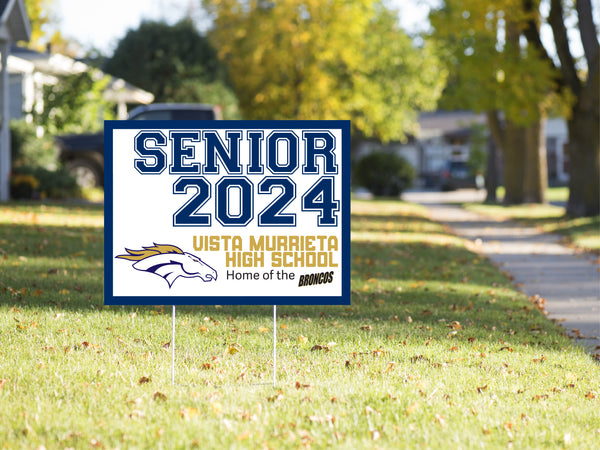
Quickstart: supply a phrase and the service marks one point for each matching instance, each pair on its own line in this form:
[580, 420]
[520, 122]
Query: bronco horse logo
[170, 263]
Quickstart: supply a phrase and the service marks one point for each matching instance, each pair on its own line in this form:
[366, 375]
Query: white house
[445, 135]
[31, 70]
[14, 26]
[557, 137]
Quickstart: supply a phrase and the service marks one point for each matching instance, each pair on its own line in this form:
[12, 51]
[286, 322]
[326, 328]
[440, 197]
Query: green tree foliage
[175, 63]
[491, 68]
[477, 146]
[75, 104]
[308, 59]
[214, 92]
[30, 149]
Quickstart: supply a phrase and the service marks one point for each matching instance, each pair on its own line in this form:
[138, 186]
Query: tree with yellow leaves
[339, 59]
[501, 64]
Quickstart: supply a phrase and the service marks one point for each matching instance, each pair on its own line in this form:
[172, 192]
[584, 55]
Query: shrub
[28, 182]
[29, 149]
[36, 169]
[384, 173]
[23, 186]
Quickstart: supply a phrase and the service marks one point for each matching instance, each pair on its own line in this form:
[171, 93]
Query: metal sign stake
[173, 350]
[274, 344]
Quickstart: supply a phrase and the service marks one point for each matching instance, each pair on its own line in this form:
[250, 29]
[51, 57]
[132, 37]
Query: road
[540, 265]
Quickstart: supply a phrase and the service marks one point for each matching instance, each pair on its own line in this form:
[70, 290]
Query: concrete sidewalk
[539, 264]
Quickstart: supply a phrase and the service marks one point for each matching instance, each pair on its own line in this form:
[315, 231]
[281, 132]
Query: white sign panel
[227, 212]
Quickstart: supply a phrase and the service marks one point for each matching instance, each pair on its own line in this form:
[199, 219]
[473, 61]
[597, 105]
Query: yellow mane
[157, 249]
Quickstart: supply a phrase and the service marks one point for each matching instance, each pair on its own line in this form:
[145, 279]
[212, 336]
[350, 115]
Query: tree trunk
[584, 163]
[514, 163]
[536, 166]
[491, 173]
[584, 149]
[497, 146]
[584, 146]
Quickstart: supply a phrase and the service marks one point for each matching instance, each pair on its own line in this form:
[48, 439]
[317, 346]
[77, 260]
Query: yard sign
[227, 212]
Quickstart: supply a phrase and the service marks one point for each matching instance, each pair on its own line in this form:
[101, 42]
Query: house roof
[14, 22]
[446, 123]
[53, 65]
[121, 90]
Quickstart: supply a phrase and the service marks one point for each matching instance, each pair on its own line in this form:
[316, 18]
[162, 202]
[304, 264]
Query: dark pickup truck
[83, 154]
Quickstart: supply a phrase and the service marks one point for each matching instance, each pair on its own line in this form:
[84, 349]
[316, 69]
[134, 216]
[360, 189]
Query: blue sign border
[110, 125]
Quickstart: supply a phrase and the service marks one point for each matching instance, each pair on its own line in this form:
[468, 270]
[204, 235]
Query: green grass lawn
[437, 350]
[582, 232]
[553, 194]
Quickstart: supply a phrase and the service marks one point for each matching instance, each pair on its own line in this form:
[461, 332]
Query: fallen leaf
[327, 418]
[375, 434]
[302, 339]
[136, 414]
[368, 410]
[366, 328]
[86, 344]
[319, 347]
[232, 349]
[482, 388]
[144, 380]
[217, 408]
[243, 435]
[412, 408]
[278, 396]
[188, 413]
[455, 325]
[263, 330]
[159, 396]
[440, 419]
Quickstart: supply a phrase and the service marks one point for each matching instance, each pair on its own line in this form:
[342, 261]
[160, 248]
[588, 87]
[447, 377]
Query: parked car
[457, 175]
[83, 154]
